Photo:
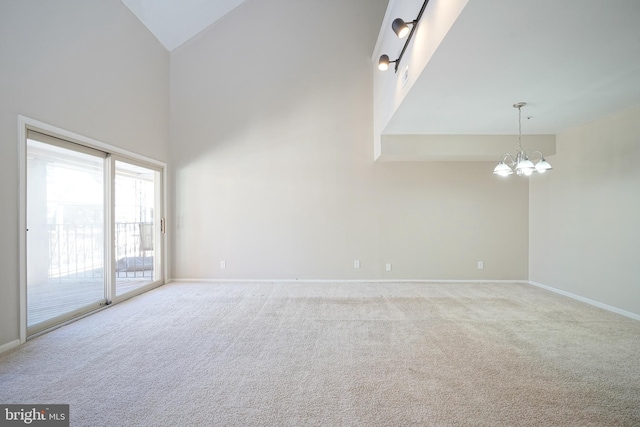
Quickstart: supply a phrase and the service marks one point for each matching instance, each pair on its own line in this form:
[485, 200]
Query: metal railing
[77, 251]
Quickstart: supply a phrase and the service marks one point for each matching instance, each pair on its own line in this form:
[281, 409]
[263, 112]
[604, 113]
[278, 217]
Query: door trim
[25, 124]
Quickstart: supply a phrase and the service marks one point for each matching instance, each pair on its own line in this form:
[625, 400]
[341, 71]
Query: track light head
[400, 27]
[383, 63]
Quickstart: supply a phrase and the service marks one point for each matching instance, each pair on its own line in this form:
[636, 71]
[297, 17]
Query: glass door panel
[65, 238]
[136, 226]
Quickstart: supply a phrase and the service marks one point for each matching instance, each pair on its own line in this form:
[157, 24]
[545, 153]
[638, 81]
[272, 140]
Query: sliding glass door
[66, 229]
[136, 226]
[93, 229]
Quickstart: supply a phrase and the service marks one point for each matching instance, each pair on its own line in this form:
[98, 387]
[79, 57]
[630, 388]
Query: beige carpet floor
[337, 354]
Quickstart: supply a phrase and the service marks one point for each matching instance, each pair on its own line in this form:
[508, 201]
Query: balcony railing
[74, 277]
[77, 251]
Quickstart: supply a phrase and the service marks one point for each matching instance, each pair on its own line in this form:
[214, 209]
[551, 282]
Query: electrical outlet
[356, 264]
[387, 267]
[223, 264]
[480, 265]
[405, 76]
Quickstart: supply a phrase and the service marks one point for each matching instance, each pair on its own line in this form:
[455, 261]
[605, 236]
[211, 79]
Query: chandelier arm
[508, 157]
[539, 153]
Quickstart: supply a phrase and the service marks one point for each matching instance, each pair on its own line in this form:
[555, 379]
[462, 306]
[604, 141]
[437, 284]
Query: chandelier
[520, 163]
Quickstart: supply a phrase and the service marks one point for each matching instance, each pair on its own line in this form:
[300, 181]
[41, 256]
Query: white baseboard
[587, 300]
[484, 281]
[8, 346]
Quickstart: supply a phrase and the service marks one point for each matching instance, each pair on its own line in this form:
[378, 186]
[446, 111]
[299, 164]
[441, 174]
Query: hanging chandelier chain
[520, 127]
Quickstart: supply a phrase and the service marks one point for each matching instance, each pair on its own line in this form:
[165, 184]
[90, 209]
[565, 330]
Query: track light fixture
[401, 28]
[520, 164]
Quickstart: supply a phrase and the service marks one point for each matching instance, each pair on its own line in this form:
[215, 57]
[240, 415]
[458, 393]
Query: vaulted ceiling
[572, 61]
[173, 22]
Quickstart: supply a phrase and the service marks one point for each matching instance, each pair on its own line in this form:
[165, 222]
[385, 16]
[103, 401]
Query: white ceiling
[571, 60]
[173, 22]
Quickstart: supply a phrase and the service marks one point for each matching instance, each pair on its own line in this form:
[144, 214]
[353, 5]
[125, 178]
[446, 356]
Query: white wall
[585, 216]
[271, 151]
[86, 66]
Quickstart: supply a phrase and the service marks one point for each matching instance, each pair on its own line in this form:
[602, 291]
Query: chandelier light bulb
[502, 169]
[525, 165]
[542, 166]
